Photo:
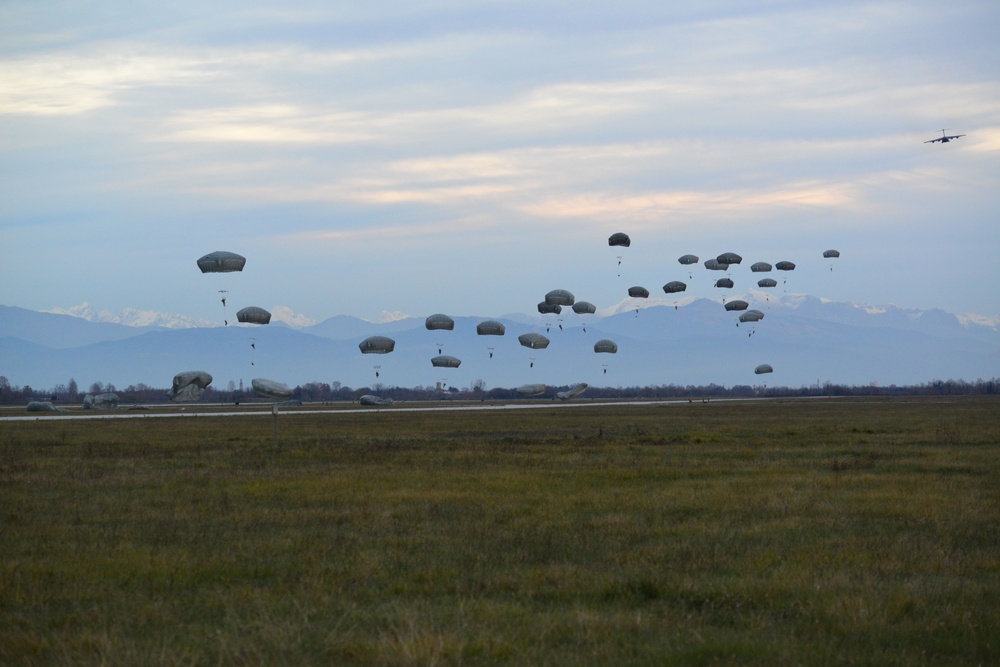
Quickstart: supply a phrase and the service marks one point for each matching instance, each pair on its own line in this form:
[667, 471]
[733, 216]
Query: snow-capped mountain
[807, 341]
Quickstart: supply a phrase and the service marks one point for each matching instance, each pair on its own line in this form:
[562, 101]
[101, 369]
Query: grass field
[843, 531]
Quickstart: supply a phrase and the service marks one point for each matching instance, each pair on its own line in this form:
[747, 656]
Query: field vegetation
[802, 531]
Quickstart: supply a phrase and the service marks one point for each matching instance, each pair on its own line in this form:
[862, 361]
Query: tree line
[312, 392]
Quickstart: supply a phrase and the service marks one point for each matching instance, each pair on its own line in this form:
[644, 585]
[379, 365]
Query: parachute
[535, 341]
[728, 258]
[100, 402]
[531, 390]
[377, 345]
[688, 259]
[638, 292]
[724, 283]
[605, 345]
[763, 368]
[446, 361]
[751, 316]
[253, 315]
[549, 308]
[42, 406]
[187, 386]
[271, 389]
[767, 282]
[584, 307]
[439, 321]
[490, 328]
[831, 254]
[674, 286]
[785, 266]
[760, 267]
[560, 297]
[572, 392]
[371, 399]
[715, 265]
[737, 304]
[221, 261]
[619, 239]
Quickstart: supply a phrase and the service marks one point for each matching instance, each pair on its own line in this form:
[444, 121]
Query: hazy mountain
[805, 339]
[58, 331]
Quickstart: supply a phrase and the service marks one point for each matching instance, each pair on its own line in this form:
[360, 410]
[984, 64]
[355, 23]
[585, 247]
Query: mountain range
[805, 339]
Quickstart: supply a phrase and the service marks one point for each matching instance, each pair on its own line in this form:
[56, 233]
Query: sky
[466, 158]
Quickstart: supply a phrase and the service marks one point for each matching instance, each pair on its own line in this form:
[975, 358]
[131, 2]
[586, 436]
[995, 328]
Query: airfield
[753, 531]
[332, 408]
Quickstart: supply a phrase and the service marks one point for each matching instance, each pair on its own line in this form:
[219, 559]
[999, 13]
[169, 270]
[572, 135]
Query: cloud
[72, 82]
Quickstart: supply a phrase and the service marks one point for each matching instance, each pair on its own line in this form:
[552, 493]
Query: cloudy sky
[448, 156]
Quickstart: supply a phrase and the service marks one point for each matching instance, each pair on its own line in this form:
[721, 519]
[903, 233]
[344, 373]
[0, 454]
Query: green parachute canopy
[439, 321]
[674, 286]
[377, 345]
[253, 315]
[490, 328]
[221, 261]
[619, 239]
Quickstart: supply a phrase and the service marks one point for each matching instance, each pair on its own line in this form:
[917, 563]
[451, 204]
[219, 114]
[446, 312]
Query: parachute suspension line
[253, 348]
[225, 317]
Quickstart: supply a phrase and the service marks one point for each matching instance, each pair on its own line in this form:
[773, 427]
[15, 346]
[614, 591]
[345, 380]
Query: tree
[72, 388]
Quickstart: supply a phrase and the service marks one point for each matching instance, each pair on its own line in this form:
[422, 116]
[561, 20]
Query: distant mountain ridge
[807, 340]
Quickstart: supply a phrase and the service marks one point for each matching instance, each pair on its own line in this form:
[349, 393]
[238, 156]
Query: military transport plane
[944, 138]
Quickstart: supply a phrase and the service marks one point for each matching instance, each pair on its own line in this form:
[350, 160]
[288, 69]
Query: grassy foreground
[820, 532]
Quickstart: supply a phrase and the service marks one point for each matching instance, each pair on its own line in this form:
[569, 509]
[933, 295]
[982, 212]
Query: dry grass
[847, 531]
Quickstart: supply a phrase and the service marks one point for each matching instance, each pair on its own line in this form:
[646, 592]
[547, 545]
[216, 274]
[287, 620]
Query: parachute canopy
[187, 386]
[638, 292]
[531, 390]
[42, 406]
[584, 307]
[446, 361]
[221, 261]
[767, 282]
[620, 238]
[751, 316]
[549, 308]
[490, 328]
[371, 399]
[253, 315]
[785, 266]
[760, 267]
[831, 253]
[729, 258]
[271, 389]
[674, 286]
[572, 392]
[715, 265]
[377, 345]
[737, 304]
[560, 297]
[606, 345]
[100, 402]
[724, 283]
[439, 321]
[688, 259]
[535, 341]
[763, 368]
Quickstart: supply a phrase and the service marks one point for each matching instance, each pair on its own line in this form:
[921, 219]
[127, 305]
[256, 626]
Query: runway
[195, 411]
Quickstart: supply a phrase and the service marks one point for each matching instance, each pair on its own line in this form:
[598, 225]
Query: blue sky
[467, 158]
